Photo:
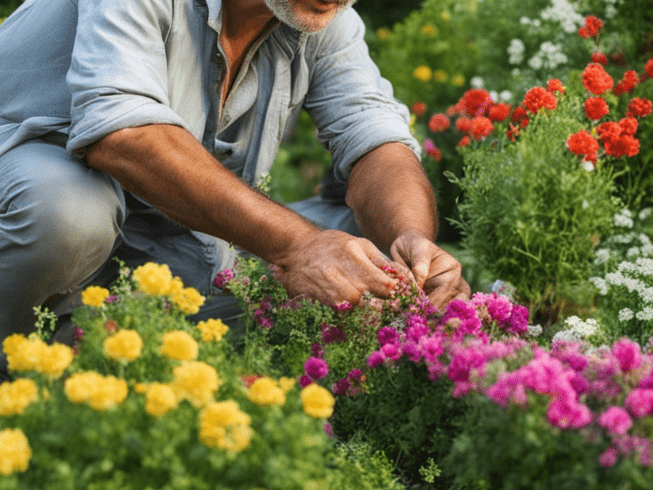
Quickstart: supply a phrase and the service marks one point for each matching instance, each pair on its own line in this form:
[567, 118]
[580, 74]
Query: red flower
[596, 108]
[513, 132]
[616, 140]
[639, 107]
[596, 80]
[583, 32]
[629, 126]
[582, 143]
[439, 122]
[481, 128]
[432, 150]
[627, 83]
[538, 97]
[418, 108]
[618, 59]
[593, 25]
[499, 112]
[463, 142]
[476, 101]
[555, 85]
[599, 58]
[463, 124]
[648, 69]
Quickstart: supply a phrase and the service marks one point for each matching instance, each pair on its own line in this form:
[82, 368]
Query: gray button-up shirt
[86, 68]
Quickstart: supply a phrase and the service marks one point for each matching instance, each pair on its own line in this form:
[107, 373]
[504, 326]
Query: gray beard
[284, 12]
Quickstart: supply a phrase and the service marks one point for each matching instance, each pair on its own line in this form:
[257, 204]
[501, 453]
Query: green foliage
[530, 211]
[514, 449]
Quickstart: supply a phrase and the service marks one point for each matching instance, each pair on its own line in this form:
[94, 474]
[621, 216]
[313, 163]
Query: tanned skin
[391, 197]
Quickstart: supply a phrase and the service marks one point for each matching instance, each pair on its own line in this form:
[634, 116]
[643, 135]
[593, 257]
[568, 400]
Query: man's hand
[434, 269]
[335, 267]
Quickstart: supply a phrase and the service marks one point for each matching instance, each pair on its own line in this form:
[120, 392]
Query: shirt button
[226, 119]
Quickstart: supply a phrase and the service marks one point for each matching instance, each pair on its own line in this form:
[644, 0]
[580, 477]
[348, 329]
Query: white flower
[625, 314]
[564, 335]
[587, 165]
[565, 14]
[536, 62]
[524, 21]
[534, 331]
[600, 284]
[645, 213]
[645, 315]
[601, 256]
[624, 219]
[494, 95]
[633, 252]
[477, 82]
[505, 96]
[516, 51]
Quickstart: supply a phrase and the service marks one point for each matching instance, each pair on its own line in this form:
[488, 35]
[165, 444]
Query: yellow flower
[196, 382]
[429, 30]
[383, 33]
[225, 426]
[423, 73]
[445, 15]
[153, 278]
[458, 80]
[56, 360]
[94, 296]
[16, 396]
[286, 384]
[188, 300]
[27, 355]
[140, 388]
[317, 401]
[10, 344]
[15, 452]
[212, 330]
[265, 392]
[98, 391]
[439, 75]
[178, 345]
[124, 345]
[159, 399]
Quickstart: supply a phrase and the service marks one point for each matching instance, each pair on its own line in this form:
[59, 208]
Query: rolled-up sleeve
[352, 106]
[118, 73]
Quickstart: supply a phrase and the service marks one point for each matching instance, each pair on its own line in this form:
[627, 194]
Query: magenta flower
[627, 353]
[639, 402]
[615, 420]
[304, 381]
[609, 457]
[355, 374]
[223, 277]
[387, 335]
[316, 368]
[412, 351]
[317, 350]
[568, 413]
[375, 359]
[341, 387]
[518, 321]
[332, 335]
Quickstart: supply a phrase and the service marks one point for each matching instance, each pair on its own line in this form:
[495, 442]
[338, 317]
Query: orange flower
[596, 80]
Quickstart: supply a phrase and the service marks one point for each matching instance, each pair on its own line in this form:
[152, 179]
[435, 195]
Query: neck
[244, 19]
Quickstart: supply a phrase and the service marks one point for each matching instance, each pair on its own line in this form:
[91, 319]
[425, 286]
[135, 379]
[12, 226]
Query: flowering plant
[146, 399]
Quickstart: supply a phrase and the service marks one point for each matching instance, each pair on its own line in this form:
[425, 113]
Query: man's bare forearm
[390, 194]
[169, 168]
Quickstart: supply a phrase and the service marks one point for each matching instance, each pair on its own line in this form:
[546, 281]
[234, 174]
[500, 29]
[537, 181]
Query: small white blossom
[565, 14]
[625, 314]
[624, 219]
[477, 82]
[516, 51]
[601, 256]
[645, 213]
[534, 331]
[633, 252]
[600, 284]
[536, 62]
[585, 204]
[494, 95]
[587, 165]
[646, 315]
[505, 96]
[524, 21]
[564, 335]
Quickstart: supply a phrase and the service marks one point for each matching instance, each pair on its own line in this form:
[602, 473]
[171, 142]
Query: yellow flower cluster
[439, 75]
[286, 384]
[124, 345]
[429, 30]
[100, 392]
[458, 80]
[32, 354]
[94, 296]
[265, 392]
[225, 426]
[196, 382]
[16, 396]
[15, 452]
[383, 33]
[157, 279]
[178, 345]
[212, 330]
[160, 398]
[423, 73]
[317, 401]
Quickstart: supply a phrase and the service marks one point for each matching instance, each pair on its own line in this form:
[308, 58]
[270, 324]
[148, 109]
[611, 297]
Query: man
[124, 125]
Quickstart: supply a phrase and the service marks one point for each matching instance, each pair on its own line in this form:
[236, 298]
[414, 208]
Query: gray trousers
[62, 221]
